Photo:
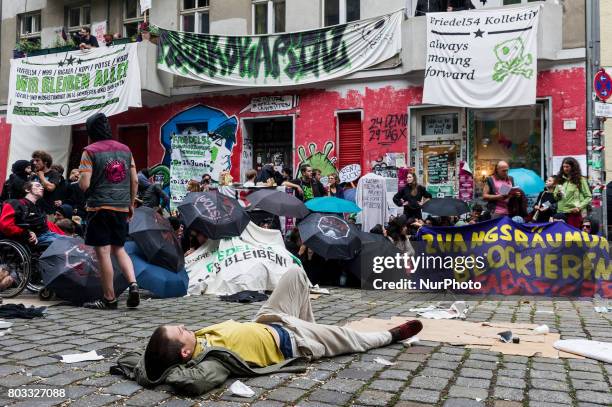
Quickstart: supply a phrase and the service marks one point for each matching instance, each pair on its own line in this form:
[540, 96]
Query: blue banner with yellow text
[550, 259]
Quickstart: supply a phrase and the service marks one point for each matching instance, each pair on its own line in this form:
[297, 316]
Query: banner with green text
[281, 59]
[68, 87]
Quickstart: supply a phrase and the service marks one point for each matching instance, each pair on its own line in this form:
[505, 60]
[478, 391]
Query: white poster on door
[482, 58]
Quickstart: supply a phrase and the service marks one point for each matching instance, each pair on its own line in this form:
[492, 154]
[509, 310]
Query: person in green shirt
[572, 192]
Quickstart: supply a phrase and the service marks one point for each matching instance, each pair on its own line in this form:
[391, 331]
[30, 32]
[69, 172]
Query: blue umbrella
[527, 180]
[331, 204]
[162, 282]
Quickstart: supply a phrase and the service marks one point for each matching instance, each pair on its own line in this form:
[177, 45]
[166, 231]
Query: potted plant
[25, 47]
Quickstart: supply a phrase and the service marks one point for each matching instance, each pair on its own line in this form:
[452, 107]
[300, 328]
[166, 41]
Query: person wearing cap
[108, 176]
[63, 211]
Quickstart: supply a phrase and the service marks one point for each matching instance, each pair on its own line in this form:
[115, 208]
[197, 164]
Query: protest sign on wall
[281, 59]
[67, 88]
[482, 58]
[98, 30]
[273, 103]
[551, 259]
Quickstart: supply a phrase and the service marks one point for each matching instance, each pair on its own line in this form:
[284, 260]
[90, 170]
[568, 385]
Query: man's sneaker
[102, 304]
[133, 296]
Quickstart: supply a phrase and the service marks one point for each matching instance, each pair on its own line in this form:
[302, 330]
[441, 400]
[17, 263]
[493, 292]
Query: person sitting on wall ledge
[283, 333]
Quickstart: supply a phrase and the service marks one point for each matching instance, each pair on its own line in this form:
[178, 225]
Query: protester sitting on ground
[192, 240]
[155, 197]
[67, 226]
[284, 331]
[397, 231]
[59, 195]
[177, 226]
[497, 202]
[47, 177]
[8, 278]
[572, 192]
[287, 174]
[143, 181]
[194, 186]
[410, 197]
[226, 185]
[206, 183]
[64, 211]
[24, 221]
[13, 186]
[546, 204]
[75, 196]
[478, 215]
[250, 178]
[517, 205]
[590, 225]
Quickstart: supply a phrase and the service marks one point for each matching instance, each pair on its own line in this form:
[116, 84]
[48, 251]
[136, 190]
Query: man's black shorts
[106, 227]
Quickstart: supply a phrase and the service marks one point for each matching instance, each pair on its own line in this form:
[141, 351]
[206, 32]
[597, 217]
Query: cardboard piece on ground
[314, 296]
[474, 335]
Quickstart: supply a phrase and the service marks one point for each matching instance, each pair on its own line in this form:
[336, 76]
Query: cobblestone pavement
[431, 374]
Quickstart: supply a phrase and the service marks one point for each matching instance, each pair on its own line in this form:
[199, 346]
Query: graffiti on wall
[197, 141]
[320, 160]
[388, 129]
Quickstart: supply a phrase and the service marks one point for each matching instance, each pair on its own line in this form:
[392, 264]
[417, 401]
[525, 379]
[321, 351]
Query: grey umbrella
[330, 236]
[71, 270]
[277, 203]
[156, 239]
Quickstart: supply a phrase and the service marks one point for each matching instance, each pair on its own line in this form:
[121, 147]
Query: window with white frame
[340, 11]
[78, 17]
[268, 16]
[132, 16]
[194, 16]
[29, 26]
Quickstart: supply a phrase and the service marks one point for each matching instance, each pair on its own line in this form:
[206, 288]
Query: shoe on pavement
[406, 330]
[102, 304]
[133, 296]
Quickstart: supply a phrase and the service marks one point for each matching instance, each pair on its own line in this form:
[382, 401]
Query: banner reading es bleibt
[482, 58]
[66, 88]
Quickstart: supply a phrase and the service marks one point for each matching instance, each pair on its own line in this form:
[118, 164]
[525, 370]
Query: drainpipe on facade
[595, 137]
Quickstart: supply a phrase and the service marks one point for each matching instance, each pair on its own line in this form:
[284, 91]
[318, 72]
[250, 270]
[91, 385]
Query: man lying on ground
[283, 332]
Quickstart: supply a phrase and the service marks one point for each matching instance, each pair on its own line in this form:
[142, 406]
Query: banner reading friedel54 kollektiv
[281, 59]
[66, 88]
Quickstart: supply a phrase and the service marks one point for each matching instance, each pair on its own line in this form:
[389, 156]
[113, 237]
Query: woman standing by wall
[410, 197]
[572, 192]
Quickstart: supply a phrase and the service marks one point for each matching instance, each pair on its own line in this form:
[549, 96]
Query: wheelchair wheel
[15, 259]
[35, 282]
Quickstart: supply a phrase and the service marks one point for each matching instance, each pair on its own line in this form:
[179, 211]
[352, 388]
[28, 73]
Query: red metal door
[350, 139]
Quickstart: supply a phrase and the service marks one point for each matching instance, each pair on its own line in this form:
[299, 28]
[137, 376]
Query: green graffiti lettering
[22, 83]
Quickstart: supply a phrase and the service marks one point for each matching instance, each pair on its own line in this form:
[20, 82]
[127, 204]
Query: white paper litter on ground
[240, 389]
[5, 331]
[423, 309]
[457, 310]
[5, 324]
[384, 362]
[602, 310]
[411, 341]
[587, 348]
[315, 289]
[81, 357]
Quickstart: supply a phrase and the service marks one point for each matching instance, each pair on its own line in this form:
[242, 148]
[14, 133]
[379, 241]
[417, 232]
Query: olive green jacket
[569, 196]
[205, 372]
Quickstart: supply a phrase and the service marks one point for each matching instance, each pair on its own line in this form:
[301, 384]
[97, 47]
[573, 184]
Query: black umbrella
[330, 236]
[278, 203]
[215, 215]
[71, 270]
[156, 239]
[445, 207]
[375, 247]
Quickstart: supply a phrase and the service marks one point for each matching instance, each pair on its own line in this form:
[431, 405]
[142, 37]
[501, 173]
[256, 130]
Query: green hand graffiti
[318, 160]
[511, 60]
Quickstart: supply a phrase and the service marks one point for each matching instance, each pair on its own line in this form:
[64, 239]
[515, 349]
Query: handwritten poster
[437, 169]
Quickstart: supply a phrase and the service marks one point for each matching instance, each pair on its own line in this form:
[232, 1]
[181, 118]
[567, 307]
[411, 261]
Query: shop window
[132, 16]
[29, 26]
[195, 16]
[513, 135]
[78, 17]
[341, 11]
[268, 16]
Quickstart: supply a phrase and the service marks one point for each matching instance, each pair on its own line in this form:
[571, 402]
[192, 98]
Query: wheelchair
[21, 262]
